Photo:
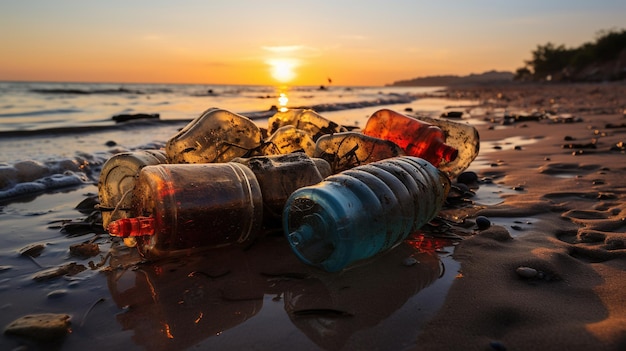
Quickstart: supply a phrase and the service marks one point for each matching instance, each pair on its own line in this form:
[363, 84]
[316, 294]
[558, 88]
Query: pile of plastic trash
[340, 194]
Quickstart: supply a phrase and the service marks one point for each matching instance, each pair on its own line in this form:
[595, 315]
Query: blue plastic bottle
[360, 212]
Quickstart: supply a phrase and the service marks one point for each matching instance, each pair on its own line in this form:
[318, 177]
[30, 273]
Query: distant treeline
[451, 80]
[602, 60]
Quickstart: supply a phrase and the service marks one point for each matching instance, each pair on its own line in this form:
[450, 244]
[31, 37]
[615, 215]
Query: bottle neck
[131, 227]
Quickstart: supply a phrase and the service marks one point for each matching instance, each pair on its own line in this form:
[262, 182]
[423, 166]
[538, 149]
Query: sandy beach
[565, 221]
[548, 274]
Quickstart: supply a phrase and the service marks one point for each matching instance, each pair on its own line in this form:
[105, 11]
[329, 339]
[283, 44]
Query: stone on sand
[46, 326]
[496, 232]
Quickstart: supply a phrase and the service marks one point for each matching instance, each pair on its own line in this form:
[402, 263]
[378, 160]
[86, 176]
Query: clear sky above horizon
[354, 42]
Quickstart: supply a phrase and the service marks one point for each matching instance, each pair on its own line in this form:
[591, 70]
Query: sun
[283, 69]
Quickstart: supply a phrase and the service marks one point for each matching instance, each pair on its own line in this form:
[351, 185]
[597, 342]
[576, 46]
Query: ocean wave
[254, 115]
[31, 177]
[129, 125]
[391, 99]
[40, 112]
[87, 91]
[44, 184]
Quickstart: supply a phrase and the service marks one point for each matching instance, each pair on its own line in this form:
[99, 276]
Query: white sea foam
[55, 181]
[29, 177]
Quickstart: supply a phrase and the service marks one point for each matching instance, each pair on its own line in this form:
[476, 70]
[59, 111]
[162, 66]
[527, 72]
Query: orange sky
[302, 43]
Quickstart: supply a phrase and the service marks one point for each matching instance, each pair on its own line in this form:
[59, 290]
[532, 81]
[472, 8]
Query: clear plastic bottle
[117, 180]
[350, 149]
[358, 213]
[281, 175]
[307, 120]
[190, 206]
[415, 137]
[216, 135]
[288, 139]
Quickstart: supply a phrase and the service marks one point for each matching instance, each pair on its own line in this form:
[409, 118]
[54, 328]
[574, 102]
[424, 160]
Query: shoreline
[565, 221]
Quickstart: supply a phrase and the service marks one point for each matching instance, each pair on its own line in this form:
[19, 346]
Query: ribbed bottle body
[360, 212]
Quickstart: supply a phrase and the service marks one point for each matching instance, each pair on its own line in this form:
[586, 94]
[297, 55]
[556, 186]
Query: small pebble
[518, 188]
[517, 147]
[467, 178]
[69, 269]
[487, 180]
[409, 261]
[57, 294]
[84, 250]
[32, 250]
[110, 143]
[483, 222]
[526, 272]
[46, 326]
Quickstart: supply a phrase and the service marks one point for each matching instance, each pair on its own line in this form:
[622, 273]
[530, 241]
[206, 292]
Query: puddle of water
[505, 144]
[491, 194]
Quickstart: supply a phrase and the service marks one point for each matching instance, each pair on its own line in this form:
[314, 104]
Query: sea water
[32, 106]
[59, 134]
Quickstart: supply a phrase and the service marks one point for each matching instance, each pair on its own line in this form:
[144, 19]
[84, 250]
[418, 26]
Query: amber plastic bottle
[415, 137]
[191, 206]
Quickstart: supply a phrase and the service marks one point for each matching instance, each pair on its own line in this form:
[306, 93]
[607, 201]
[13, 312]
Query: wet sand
[564, 224]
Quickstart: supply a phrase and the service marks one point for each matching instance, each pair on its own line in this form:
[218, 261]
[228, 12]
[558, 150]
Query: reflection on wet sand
[177, 303]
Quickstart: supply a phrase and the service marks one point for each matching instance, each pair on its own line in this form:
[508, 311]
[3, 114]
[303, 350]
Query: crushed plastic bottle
[360, 212]
[415, 137]
[216, 135]
[288, 139]
[190, 206]
[304, 119]
[350, 149]
[281, 175]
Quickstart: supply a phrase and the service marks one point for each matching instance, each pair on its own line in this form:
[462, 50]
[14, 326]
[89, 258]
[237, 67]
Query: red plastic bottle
[415, 137]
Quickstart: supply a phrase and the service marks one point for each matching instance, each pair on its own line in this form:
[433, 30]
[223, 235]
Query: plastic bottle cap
[131, 227]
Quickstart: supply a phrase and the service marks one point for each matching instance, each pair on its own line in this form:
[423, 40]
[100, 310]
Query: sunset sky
[354, 42]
